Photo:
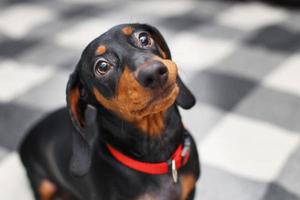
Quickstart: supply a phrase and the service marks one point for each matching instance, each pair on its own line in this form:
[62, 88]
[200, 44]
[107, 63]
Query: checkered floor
[242, 61]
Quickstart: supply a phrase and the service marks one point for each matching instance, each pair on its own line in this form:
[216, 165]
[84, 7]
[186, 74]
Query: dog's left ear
[185, 98]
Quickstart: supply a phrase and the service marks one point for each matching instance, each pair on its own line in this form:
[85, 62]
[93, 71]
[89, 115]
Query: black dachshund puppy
[121, 134]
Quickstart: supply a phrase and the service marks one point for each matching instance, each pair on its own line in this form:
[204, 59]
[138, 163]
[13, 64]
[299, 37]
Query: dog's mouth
[162, 94]
[161, 100]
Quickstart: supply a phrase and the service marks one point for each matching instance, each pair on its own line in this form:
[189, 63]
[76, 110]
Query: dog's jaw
[150, 119]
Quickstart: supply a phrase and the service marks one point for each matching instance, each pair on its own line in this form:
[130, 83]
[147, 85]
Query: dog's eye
[102, 67]
[145, 40]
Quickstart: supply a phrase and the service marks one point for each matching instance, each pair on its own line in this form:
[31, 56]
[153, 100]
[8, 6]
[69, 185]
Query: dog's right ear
[83, 142]
[84, 128]
[75, 104]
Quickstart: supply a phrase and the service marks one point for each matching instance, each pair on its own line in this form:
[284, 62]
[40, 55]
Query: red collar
[178, 159]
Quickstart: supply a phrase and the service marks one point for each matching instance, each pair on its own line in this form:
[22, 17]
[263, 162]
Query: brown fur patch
[127, 30]
[101, 50]
[73, 99]
[187, 185]
[170, 65]
[139, 105]
[152, 124]
[47, 190]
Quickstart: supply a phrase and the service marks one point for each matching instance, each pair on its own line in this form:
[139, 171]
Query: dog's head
[129, 71]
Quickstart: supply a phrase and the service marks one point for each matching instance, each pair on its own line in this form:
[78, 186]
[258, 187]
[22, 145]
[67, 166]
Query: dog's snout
[153, 75]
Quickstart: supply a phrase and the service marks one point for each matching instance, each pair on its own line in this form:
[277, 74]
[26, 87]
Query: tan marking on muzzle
[172, 68]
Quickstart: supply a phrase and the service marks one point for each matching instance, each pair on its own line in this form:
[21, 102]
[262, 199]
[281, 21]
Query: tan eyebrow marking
[101, 50]
[127, 30]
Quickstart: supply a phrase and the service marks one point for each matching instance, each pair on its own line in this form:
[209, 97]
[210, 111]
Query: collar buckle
[174, 172]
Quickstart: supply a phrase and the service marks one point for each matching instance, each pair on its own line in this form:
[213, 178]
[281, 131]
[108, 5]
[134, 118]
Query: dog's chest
[166, 189]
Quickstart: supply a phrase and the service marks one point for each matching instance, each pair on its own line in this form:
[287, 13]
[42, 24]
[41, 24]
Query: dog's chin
[160, 101]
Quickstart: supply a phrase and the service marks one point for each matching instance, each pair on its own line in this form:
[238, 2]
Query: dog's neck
[152, 124]
[135, 142]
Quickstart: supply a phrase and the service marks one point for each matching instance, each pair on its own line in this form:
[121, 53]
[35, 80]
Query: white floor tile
[50, 96]
[160, 8]
[18, 20]
[16, 78]
[82, 34]
[287, 76]
[13, 180]
[247, 147]
[200, 119]
[194, 52]
[251, 16]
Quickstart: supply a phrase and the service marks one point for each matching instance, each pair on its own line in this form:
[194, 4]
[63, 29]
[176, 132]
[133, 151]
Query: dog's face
[129, 71]
[132, 75]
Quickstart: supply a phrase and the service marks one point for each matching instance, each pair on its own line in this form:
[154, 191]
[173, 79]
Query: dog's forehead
[121, 30]
[118, 34]
[128, 28]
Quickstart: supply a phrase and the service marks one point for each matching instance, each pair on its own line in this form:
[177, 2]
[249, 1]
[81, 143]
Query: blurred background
[240, 58]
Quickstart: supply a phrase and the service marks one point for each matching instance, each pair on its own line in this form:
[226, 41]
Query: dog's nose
[153, 75]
